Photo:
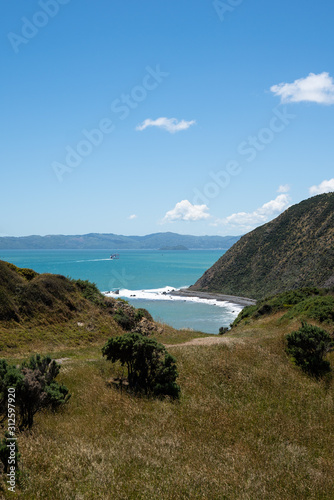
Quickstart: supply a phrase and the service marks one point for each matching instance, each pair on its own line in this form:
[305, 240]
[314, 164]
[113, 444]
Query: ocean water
[142, 277]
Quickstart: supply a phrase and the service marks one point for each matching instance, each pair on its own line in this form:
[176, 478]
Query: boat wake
[93, 260]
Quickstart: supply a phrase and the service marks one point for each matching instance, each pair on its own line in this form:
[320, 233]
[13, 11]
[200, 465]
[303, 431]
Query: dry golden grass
[249, 425]
[30, 337]
[94, 328]
[171, 336]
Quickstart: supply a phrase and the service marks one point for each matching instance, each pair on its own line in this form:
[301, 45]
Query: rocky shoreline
[242, 301]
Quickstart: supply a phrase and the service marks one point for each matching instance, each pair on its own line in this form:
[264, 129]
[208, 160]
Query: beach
[241, 301]
[145, 278]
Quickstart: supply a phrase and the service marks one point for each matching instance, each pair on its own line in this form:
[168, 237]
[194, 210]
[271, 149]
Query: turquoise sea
[142, 277]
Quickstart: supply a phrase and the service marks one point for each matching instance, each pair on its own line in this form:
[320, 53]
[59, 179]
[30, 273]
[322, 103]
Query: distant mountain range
[116, 242]
[294, 250]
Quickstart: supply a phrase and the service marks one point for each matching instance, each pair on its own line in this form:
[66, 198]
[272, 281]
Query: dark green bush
[308, 346]
[123, 320]
[90, 291]
[35, 388]
[223, 330]
[151, 369]
[309, 302]
[292, 297]
[264, 309]
[142, 313]
[320, 309]
[131, 317]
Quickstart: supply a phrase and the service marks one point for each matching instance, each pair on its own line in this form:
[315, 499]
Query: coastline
[242, 301]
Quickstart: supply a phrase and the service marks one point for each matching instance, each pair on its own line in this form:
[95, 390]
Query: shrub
[320, 309]
[122, 301]
[26, 273]
[223, 330]
[35, 388]
[123, 319]
[142, 313]
[264, 309]
[129, 318]
[246, 312]
[309, 302]
[308, 347]
[89, 291]
[151, 369]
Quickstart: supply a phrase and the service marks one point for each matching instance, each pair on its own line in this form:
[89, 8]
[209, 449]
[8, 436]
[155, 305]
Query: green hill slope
[304, 304]
[39, 311]
[294, 250]
[249, 425]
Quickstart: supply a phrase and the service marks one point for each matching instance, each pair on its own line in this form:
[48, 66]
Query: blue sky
[202, 117]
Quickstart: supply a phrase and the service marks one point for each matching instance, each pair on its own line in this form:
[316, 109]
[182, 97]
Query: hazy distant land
[114, 241]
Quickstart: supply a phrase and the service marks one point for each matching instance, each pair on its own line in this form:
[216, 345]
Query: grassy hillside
[44, 309]
[294, 250]
[249, 424]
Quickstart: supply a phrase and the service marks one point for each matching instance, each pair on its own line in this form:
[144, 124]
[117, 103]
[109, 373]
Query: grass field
[249, 425]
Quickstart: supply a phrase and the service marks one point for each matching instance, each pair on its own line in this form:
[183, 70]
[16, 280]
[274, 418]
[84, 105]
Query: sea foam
[163, 294]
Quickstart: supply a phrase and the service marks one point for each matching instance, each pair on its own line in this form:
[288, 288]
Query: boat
[114, 256]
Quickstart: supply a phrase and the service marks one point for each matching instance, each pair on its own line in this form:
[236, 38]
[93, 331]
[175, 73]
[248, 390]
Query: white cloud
[249, 220]
[172, 125]
[133, 216]
[313, 88]
[184, 210]
[324, 187]
[284, 188]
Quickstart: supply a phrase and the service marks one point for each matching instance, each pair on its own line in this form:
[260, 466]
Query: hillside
[177, 247]
[113, 241]
[48, 311]
[294, 250]
[303, 304]
[249, 425]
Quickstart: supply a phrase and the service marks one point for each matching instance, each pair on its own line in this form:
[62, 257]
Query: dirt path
[196, 342]
[207, 341]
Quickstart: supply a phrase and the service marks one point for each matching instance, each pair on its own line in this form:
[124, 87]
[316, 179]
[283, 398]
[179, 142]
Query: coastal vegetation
[294, 250]
[46, 309]
[150, 368]
[247, 421]
[308, 346]
[310, 303]
[34, 386]
[248, 424]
